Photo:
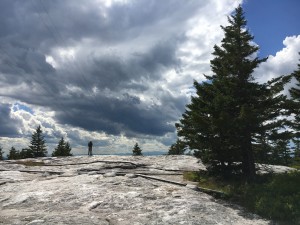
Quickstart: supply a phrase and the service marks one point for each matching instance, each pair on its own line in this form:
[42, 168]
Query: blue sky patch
[18, 106]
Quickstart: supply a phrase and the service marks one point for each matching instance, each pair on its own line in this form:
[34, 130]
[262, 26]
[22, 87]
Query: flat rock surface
[110, 190]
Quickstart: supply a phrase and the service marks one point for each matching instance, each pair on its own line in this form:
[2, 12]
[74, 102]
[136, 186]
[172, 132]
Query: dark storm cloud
[20, 64]
[42, 24]
[115, 116]
[117, 23]
[121, 113]
[8, 126]
[115, 73]
[150, 32]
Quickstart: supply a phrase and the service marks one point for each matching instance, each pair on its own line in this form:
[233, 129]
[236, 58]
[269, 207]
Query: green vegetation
[295, 110]
[136, 151]
[23, 154]
[63, 149]
[178, 148]
[38, 143]
[1, 153]
[26, 153]
[296, 166]
[233, 118]
[276, 197]
[273, 196]
[13, 154]
[38, 148]
[206, 181]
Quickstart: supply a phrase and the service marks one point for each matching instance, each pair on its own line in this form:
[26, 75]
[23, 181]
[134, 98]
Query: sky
[117, 72]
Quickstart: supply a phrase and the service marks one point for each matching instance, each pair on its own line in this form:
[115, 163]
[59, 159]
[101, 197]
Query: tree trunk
[248, 164]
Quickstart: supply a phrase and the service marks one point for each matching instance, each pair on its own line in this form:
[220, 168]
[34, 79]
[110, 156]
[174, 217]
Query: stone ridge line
[98, 161]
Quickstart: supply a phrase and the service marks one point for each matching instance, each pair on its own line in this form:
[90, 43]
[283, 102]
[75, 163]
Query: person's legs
[90, 152]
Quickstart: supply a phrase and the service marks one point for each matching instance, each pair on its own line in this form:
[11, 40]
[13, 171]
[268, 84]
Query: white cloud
[283, 63]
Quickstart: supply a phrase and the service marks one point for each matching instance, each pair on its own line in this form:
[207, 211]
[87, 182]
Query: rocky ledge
[110, 190]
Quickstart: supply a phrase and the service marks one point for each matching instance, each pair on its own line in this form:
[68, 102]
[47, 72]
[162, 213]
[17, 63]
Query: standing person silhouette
[90, 153]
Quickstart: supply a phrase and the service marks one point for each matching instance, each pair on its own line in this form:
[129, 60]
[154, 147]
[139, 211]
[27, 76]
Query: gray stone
[93, 173]
[46, 174]
[94, 205]
[192, 186]
[36, 222]
[131, 175]
[108, 199]
[110, 174]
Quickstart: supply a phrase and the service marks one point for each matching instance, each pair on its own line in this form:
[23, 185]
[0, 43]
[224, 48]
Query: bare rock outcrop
[110, 190]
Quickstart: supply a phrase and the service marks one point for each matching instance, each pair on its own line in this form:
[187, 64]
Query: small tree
[63, 149]
[26, 153]
[178, 148]
[13, 154]
[136, 150]
[38, 143]
[1, 153]
[68, 150]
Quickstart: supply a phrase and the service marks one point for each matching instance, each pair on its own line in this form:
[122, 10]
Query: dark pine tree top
[13, 154]
[136, 150]
[38, 143]
[63, 149]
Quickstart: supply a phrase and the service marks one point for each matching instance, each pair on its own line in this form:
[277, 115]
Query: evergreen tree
[262, 148]
[38, 143]
[13, 154]
[284, 152]
[60, 148]
[297, 152]
[230, 110]
[26, 153]
[136, 150]
[63, 149]
[273, 133]
[281, 150]
[295, 110]
[68, 150]
[178, 148]
[1, 153]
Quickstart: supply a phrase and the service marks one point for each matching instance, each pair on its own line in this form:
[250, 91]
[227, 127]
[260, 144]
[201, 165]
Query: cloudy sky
[121, 71]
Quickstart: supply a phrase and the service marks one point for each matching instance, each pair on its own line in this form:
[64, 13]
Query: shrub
[273, 196]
